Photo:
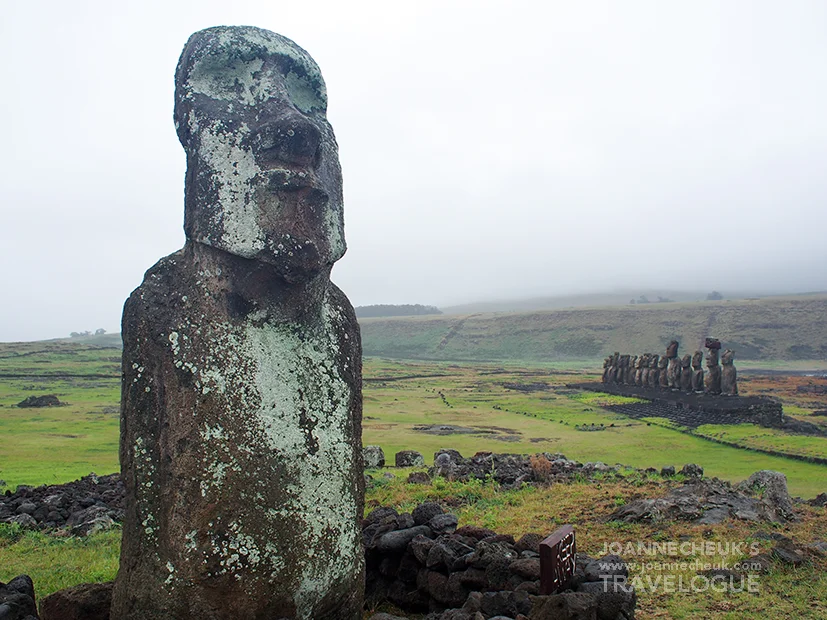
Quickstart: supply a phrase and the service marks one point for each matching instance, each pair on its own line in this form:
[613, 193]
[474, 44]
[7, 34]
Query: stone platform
[691, 409]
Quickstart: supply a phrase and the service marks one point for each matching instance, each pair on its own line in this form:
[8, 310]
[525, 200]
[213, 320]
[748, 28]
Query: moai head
[607, 362]
[711, 357]
[653, 360]
[633, 361]
[697, 360]
[686, 361]
[663, 363]
[728, 357]
[672, 349]
[643, 360]
[263, 176]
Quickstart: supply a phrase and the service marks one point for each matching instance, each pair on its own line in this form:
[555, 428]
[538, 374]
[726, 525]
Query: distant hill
[614, 298]
[770, 329]
[395, 310]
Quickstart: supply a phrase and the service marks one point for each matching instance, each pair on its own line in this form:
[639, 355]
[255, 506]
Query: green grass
[527, 403]
[57, 444]
[54, 562]
[545, 421]
[752, 436]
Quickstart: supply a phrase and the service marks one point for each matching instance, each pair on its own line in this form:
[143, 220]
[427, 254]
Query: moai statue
[729, 376]
[639, 370]
[605, 377]
[631, 367]
[624, 369]
[673, 372]
[663, 376]
[697, 372]
[241, 446]
[654, 371]
[613, 367]
[712, 380]
[686, 373]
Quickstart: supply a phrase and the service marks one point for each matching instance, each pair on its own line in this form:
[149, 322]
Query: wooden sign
[557, 560]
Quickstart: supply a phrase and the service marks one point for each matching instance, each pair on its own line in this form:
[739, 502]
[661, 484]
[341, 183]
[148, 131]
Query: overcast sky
[490, 149]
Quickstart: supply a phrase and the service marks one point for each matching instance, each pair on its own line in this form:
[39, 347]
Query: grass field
[521, 409]
[785, 592]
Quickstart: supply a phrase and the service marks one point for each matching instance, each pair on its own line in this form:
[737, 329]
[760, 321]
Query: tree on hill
[395, 310]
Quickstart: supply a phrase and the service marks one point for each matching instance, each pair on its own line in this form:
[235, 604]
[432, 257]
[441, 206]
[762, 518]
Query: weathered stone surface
[87, 601]
[712, 378]
[443, 524]
[374, 456]
[17, 600]
[566, 606]
[775, 498]
[418, 477]
[673, 372]
[697, 372]
[615, 599]
[685, 377]
[729, 375]
[425, 512]
[705, 501]
[241, 402]
[690, 470]
[409, 458]
[397, 541]
[654, 371]
[663, 375]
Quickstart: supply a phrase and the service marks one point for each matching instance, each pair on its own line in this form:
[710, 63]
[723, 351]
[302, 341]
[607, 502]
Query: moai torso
[673, 371]
[631, 364]
[712, 380]
[654, 371]
[697, 372]
[642, 373]
[729, 376]
[241, 400]
[605, 377]
[663, 375]
[686, 373]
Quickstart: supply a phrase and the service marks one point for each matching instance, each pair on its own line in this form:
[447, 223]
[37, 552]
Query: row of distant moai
[675, 373]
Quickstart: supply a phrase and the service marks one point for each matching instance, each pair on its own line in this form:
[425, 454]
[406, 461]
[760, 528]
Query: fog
[489, 150]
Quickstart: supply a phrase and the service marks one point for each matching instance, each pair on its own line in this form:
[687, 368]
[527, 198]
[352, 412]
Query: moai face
[697, 359]
[663, 363]
[686, 361]
[263, 175]
[712, 357]
[728, 357]
[653, 361]
[672, 349]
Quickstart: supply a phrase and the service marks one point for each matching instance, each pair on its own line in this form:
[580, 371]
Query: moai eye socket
[293, 140]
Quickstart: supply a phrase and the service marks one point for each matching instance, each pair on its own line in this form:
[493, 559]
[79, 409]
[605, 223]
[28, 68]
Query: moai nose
[289, 140]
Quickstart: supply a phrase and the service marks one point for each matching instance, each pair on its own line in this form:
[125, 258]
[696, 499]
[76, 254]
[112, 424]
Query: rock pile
[512, 470]
[47, 400]
[422, 562]
[90, 504]
[711, 501]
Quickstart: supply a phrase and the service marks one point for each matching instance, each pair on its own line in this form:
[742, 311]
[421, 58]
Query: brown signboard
[557, 560]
